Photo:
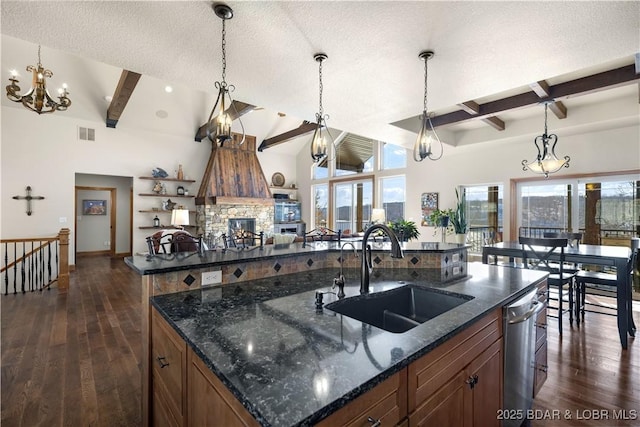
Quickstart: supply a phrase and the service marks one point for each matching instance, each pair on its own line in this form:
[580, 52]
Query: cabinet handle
[472, 381]
[161, 361]
[542, 368]
[374, 423]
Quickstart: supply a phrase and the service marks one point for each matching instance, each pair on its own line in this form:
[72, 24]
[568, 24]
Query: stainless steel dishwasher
[519, 357]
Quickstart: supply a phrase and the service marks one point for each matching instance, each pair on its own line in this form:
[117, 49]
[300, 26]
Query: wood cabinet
[540, 371]
[168, 366]
[210, 402]
[460, 382]
[386, 404]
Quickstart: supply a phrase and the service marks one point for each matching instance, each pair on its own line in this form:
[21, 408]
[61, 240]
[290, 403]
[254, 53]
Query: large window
[484, 214]
[320, 205]
[393, 156]
[353, 202]
[393, 197]
[605, 209]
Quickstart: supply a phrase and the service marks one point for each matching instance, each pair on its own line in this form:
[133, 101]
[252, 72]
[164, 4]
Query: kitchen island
[277, 360]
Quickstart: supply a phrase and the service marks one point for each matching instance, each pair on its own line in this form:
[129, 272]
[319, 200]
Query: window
[544, 207]
[320, 205]
[393, 156]
[393, 197]
[352, 202]
[484, 214]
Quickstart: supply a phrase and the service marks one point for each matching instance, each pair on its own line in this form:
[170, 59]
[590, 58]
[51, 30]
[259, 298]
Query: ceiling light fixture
[547, 162]
[427, 135]
[219, 124]
[38, 98]
[321, 137]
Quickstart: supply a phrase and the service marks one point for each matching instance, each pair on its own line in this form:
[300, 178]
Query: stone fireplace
[214, 220]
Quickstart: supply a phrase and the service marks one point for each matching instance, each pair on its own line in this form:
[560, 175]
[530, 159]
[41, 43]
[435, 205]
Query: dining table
[608, 256]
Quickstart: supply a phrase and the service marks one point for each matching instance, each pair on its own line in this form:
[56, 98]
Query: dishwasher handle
[535, 309]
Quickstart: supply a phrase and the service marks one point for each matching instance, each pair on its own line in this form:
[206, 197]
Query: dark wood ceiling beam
[543, 90]
[237, 109]
[303, 129]
[124, 90]
[473, 108]
[594, 83]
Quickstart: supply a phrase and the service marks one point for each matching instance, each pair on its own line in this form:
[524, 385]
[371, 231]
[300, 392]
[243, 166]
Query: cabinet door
[445, 407]
[540, 371]
[485, 372]
[386, 403]
[210, 403]
[168, 354]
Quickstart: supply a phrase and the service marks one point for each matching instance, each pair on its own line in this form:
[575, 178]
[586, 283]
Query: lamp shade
[180, 217]
[378, 216]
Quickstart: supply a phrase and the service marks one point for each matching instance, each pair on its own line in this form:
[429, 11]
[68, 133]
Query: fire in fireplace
[238, 225]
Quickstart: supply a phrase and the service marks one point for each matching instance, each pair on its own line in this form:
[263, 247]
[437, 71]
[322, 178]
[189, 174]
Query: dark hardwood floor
[74, 359]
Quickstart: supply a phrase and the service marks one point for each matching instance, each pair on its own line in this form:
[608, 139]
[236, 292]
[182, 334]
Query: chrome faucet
[366, 268]
[339, 281]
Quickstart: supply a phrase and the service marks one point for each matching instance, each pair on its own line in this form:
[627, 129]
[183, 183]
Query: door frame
[112, 220]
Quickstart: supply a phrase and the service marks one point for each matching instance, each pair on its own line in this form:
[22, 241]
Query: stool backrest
[536, 253]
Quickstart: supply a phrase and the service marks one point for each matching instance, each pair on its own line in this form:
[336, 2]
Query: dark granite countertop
[163, 263]
[291, 365]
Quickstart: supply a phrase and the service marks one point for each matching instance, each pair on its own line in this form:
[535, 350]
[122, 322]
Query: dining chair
[536, 255]
[606, 283]
[243, 239]
[573, 241]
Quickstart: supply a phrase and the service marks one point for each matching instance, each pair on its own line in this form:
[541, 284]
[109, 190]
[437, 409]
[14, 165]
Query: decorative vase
[180, 172]
[461, 238]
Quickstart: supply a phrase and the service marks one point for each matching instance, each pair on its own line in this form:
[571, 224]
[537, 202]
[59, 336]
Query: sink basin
[400, 309]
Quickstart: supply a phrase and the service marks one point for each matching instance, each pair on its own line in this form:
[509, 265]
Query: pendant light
[546, 162]
[38, 98]
[321, 137]
[218, 128]
[427, 135]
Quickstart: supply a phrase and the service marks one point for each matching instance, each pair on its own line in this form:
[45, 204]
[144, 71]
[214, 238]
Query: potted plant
[441, 219]
[405, 230]
[459, 218]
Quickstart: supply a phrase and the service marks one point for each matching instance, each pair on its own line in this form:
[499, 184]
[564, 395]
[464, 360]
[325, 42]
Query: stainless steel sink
[400, 309]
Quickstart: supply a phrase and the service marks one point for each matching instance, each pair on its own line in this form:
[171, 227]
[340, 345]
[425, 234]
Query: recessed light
[107, 98]
[168, 89]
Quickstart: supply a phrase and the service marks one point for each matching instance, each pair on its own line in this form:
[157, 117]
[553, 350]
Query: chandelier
[38, 98]
[218, 128]
[427, 135]
[321, 137]
[547, 162]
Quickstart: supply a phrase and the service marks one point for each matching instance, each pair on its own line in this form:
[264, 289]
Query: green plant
[459, 217]
[441, 217]
[405, 230]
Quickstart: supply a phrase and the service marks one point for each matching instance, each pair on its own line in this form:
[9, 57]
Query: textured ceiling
[373, 76]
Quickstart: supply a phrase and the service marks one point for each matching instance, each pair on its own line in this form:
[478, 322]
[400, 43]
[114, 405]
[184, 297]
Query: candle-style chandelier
[218, 126]
[38, 98]
[427, 135]
[546, 162]
[321, 137]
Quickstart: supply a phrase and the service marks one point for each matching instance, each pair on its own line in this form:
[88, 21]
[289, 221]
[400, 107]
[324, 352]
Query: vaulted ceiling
[373, 78]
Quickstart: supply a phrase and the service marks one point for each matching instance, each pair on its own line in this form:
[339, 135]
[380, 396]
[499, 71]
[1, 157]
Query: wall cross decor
[28, 198]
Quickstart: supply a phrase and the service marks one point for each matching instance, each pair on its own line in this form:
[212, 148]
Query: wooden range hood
[234, 176]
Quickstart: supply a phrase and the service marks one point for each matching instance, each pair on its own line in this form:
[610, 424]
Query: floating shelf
[165, 195]
[167, 179]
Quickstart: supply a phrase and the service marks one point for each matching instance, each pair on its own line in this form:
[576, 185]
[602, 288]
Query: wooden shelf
[166, 227]
[167, 179]
[159, 211]
[165, 195]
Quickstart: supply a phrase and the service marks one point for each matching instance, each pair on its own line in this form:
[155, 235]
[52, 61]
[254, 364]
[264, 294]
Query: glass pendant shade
[546, 161]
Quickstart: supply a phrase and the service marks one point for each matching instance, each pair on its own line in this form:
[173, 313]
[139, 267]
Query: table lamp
[180, 218]
[378, 216]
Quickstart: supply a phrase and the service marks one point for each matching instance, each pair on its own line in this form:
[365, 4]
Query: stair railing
[31, 264]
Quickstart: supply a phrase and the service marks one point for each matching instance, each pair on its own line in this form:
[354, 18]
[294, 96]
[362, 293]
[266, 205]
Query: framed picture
[428, 204]
[94, 207]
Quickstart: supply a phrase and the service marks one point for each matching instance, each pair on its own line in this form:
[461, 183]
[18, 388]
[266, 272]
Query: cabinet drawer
[541, 328]
[429, 373]
[540, 371]
[387, 402]
[168, 361]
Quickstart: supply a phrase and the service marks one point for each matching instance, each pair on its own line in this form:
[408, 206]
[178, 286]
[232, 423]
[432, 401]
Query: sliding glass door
[353, 201]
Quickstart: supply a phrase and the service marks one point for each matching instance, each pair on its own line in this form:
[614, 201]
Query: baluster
[31, 268]
[6, 271]
[41, 264]
[24, 261]
[15, 268]
[49, 265]
[57, 261]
